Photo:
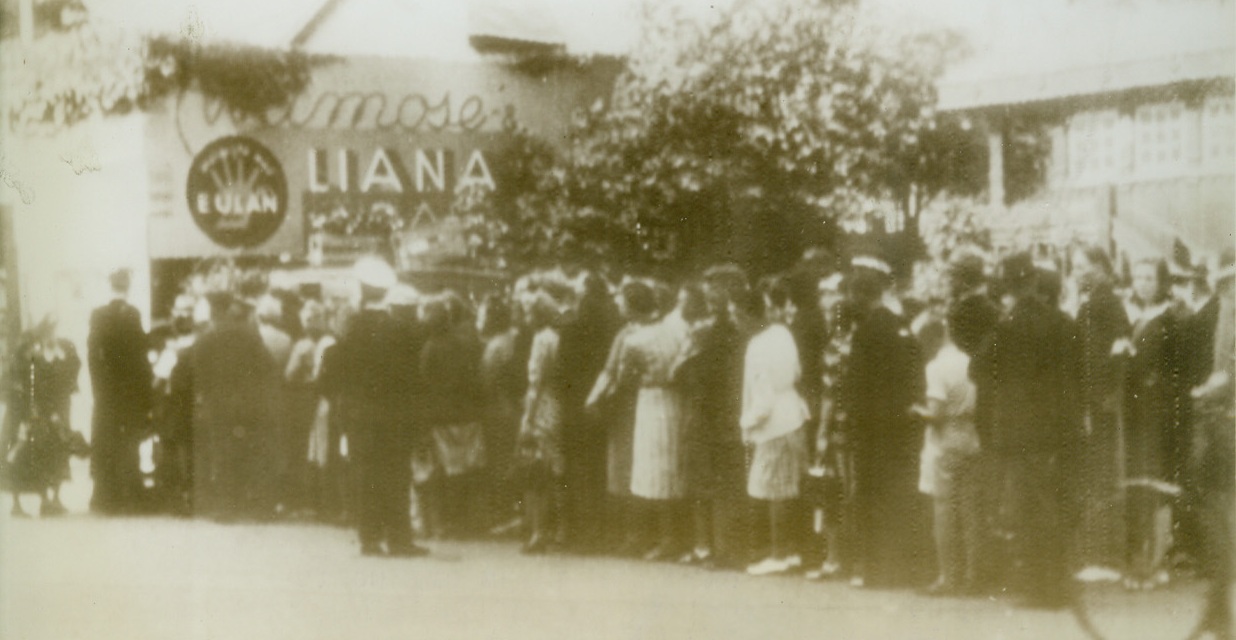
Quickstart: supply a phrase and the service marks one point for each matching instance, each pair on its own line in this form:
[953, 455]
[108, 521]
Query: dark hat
[1180, 267]
[966, 269]
[1017, 270]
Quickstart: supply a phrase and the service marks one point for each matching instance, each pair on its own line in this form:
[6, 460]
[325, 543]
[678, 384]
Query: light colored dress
[773, 414]
[658, 469]
[543, 425]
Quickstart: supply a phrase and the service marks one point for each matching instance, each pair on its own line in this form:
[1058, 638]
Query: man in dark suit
[120, 376]
[378, 360]
[1029, 368]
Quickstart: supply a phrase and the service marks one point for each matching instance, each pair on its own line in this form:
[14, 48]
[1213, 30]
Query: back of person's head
[435, 314]
[120, 280]
[965, 273]
[1018, 274]
[750, 305]
[638, 299]
[866, 286]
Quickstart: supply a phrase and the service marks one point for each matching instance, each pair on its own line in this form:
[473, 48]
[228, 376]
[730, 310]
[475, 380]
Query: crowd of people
[818, 421]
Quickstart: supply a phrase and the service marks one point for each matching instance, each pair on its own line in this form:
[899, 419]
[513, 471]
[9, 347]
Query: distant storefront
[369, 159]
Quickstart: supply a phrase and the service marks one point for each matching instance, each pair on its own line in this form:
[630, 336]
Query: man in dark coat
[1029, 369]
[1101, 321]
[377, 365]
[121, 378]
[234, 377]
[884, 378]
[584, 344]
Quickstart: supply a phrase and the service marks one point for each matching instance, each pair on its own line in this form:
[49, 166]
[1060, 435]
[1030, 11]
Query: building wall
[1158, 169]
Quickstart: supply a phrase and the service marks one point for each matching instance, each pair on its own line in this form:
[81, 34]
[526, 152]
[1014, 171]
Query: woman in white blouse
[773, 414]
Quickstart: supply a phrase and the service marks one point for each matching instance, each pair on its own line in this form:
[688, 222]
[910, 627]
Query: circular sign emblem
[237, 192]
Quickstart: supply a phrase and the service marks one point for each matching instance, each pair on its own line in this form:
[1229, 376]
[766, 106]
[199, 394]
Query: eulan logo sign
[237, 192]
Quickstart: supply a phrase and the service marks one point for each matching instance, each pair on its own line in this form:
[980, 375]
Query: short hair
[639, 298]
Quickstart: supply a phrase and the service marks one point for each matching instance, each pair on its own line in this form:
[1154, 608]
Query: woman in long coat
[1154, 396]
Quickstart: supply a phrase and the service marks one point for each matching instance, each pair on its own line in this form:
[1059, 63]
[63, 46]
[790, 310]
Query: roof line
[311, 27]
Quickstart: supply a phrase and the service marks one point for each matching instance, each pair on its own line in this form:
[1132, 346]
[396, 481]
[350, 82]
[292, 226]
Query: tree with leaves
[751, 138]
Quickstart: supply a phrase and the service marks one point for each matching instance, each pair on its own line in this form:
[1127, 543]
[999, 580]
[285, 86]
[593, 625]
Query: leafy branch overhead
[752, 137]
[78, 70]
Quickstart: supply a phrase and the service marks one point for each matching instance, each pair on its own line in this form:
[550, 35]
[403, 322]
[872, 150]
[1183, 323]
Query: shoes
[372, 550]
[408, 551]
[697, 557]
[768, 567]
[827, 571]
[794, 562]
[659, 553]
[858, 582]
[1095, 573]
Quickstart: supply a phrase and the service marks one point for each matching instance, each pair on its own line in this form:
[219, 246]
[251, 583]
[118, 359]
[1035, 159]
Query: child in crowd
[950, 451]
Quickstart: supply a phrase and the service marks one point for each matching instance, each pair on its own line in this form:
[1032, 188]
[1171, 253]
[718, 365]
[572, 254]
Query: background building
[1132, 105]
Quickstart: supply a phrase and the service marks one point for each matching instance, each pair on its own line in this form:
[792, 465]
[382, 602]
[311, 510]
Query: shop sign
[237, 192]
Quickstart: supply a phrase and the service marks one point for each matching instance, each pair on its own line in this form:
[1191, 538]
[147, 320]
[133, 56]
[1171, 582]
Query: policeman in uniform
[378, 361]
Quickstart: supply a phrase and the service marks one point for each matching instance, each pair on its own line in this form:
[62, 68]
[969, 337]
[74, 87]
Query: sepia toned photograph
[617, 319]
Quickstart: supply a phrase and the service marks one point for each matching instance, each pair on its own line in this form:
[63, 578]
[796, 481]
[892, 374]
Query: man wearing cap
[378, 361]
[883, 380]
[120, 376]
[1028, 368]
[233, 379]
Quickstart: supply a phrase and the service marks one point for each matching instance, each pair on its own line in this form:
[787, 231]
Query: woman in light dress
[773, 414]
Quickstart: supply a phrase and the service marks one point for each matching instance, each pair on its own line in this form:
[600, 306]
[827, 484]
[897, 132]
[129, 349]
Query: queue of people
[817, 421]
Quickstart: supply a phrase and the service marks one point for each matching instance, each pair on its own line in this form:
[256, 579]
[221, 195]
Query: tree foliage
[751, 137]
[75, 69]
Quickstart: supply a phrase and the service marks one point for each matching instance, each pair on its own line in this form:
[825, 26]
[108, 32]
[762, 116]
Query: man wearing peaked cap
[377, 358]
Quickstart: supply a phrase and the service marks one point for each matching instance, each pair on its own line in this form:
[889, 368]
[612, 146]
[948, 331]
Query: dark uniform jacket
[120, 372]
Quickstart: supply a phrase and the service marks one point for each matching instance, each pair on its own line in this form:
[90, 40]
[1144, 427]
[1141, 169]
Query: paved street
[161, 578]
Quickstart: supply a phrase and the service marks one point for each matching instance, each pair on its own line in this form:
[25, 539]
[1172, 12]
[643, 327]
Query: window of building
[1159, 139]
[1218, 133]
[1094, 146]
